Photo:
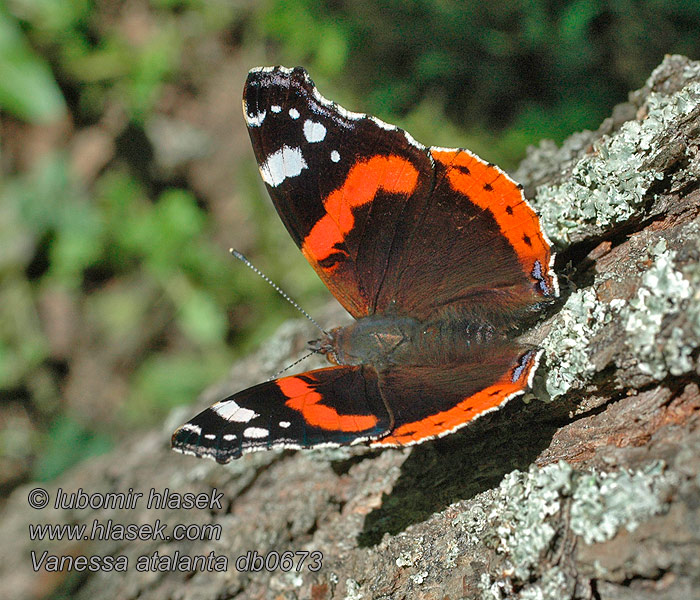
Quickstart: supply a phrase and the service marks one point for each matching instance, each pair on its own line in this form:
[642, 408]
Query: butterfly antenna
[246, 262]
[294, 364]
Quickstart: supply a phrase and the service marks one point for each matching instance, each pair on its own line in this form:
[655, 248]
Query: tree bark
[588, 491]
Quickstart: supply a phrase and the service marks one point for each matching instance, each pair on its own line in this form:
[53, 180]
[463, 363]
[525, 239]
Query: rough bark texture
[589, 491]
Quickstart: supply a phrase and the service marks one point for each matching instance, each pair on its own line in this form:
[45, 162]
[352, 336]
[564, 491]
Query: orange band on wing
[467, 410]
[488, 187]
[302, 397]
[392, 174]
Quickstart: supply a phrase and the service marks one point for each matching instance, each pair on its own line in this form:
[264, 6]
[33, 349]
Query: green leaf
[28, 89]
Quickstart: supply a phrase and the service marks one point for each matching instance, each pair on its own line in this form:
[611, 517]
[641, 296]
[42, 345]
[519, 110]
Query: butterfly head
[327, 345]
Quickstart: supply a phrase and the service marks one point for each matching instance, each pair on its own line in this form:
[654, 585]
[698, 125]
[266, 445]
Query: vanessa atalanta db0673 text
[433, 251]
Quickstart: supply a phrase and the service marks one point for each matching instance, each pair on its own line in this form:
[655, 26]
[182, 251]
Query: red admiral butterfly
[435, 253]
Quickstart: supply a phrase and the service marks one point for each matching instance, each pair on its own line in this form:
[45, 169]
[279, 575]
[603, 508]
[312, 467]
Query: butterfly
[434, 252]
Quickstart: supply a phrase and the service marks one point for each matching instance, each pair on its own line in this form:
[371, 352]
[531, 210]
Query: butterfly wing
[477, 245]
[339, 180]
[432, 401]
[327, 407]
[387, 223]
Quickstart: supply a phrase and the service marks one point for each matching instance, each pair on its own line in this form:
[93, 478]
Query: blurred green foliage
[526, 68]
[67, 442]
[124, 260]
[27, 86]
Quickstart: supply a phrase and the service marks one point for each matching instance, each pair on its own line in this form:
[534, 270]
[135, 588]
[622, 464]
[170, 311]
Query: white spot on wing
[286, 162]
[230, 411]
[284, 424]
[335, 157]
[294, 113]
[255, 432]
[190, 427]
[210, 436]
[229, 437]
[275, 108]
[255, 120]
[314, 131]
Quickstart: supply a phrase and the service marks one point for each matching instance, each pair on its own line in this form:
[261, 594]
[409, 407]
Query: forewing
[340, 181]
[327, 407]
[476, 244]
[387, 223]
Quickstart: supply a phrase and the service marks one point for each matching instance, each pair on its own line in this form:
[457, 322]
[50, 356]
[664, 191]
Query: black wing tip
[260, 80]
[191, 443]
[277, 72]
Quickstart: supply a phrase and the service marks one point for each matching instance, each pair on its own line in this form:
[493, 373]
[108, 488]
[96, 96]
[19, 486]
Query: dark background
[127, 172]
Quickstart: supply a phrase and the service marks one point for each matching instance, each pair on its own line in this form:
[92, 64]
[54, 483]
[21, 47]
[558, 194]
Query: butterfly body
[383, 341]
[434, 252]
